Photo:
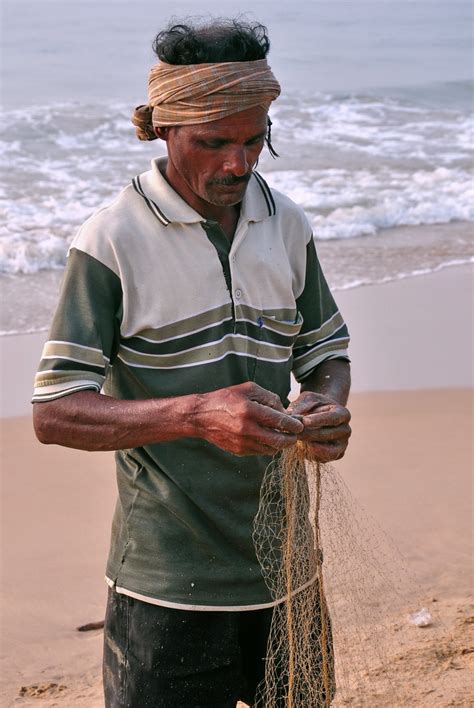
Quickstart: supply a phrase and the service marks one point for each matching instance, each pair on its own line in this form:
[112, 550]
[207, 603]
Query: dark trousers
[165, 658]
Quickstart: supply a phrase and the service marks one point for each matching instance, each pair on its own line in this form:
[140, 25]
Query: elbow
[43, 424]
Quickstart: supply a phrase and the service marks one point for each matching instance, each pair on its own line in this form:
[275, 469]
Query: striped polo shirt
[157, 302]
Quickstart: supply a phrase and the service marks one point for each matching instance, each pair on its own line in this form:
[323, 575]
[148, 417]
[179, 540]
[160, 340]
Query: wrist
[192, 415]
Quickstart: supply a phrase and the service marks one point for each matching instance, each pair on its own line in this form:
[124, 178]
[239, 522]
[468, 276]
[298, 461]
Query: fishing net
[343, 581]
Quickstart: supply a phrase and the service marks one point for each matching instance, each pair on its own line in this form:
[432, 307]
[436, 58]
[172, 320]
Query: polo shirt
[156, 302]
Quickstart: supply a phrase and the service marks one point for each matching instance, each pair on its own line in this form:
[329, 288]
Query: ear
[162, 133]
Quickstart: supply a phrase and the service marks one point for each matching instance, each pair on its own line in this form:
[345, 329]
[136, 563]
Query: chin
[225, 202]
[225, 199]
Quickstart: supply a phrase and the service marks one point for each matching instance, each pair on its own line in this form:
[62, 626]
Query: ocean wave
[42, 325]
[357, 164]
[358, 127]
[345, 204]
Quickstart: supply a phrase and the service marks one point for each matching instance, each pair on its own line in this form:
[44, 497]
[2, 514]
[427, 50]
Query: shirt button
[233, 259]
[238, 293]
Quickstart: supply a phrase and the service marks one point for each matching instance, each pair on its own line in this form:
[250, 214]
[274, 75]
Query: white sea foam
[356, 164]
[359, 282]
[345, 204]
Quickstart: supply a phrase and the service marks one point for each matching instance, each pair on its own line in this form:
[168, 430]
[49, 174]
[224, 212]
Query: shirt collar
[169, 207]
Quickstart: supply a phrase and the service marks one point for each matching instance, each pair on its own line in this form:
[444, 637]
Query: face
[211, 163]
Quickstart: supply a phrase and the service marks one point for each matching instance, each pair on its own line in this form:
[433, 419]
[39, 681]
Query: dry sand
[409, 465]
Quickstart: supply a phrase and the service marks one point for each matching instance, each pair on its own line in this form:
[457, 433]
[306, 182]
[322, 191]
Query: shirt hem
[204, 608]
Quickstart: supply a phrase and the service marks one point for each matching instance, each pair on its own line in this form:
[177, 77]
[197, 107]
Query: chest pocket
[274, 355]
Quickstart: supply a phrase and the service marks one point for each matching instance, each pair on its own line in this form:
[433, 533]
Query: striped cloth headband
[187, 94]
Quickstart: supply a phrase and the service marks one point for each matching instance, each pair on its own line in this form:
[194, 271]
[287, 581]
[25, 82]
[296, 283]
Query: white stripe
[70, 358]
[301, 372]
[68, 373]
[205, 608]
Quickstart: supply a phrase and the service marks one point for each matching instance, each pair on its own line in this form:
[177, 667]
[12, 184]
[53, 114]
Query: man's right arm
[244, 419]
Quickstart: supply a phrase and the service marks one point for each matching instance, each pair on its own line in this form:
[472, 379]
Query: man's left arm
[321, 365]
[322, 403]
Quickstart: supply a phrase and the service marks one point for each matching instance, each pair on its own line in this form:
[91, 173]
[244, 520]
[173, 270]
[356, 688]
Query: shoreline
[54, 277]
[405, 334]
[391, 255]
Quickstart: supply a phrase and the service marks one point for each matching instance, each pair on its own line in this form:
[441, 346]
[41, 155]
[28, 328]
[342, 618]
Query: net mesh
[343, 582]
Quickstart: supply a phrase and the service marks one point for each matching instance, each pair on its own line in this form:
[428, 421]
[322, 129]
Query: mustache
[231, 180]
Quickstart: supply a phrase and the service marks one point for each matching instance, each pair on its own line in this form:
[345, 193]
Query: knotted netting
[300, 661]
[343, 581]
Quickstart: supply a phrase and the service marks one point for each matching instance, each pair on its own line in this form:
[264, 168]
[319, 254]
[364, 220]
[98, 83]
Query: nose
[237, 162]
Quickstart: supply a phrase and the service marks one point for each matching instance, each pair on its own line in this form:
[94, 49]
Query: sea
[374, 129]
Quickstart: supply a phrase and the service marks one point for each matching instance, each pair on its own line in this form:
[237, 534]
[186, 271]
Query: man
[189, 300]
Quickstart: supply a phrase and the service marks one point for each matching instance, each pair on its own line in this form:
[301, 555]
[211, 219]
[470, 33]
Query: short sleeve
[323, 334]
[85, 331]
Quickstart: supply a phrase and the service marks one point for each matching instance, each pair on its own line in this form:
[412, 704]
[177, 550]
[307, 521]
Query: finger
[279, 441]
[265, 442]
[326, 453]
[274, 420]
[322, 435]
[305, 405]
[266, 398]
[330, 418]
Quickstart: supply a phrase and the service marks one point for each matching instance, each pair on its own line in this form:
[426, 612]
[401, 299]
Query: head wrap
[187, 94]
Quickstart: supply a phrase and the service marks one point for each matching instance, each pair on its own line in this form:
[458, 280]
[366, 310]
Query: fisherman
[185, 306]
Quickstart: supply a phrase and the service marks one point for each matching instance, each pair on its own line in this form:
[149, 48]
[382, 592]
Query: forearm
[87, 420]
[244, 419]
[332, 378]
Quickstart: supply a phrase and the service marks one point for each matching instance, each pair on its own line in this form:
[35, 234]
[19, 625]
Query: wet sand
[409, 465]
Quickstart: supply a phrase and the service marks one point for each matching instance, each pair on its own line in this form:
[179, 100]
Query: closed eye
[256, 139]
[217, 143]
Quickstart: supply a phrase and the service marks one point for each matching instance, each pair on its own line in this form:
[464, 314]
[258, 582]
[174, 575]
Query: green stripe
[286, 328]
[283, 314]
[54, 378]
[189, 325]
[326, 330]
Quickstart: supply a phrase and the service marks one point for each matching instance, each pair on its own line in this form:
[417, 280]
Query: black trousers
[165, 658]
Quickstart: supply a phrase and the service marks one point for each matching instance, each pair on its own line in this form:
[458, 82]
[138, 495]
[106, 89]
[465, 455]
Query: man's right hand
[246, 420]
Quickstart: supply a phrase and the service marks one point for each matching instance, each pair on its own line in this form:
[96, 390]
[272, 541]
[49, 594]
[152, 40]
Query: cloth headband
[187, 94]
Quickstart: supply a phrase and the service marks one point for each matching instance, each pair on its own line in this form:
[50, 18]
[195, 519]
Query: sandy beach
[409, 465]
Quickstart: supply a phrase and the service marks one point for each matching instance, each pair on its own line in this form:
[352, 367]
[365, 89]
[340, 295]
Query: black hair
[217, 40]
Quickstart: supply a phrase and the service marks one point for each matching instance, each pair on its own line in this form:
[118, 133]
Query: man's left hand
[326, 425]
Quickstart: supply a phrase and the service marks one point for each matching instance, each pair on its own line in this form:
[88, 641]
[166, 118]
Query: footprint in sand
[40, 690]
